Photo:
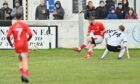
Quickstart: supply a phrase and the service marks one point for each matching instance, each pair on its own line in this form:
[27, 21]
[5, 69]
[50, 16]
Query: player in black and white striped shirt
[116, 42]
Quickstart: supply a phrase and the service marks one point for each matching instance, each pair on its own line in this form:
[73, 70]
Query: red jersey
[19, 30]
[97, 28]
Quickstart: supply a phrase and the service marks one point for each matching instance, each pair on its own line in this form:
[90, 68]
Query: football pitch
[64, 66]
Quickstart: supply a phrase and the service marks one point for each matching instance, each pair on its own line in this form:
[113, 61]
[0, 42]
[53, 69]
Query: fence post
[81, 29]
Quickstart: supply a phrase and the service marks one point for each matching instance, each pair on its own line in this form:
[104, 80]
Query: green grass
[63, 66]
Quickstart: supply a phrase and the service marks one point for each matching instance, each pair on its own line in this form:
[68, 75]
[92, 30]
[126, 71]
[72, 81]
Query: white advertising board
[43, 37]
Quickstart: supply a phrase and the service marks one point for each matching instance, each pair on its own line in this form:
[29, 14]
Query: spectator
[18, 9]
[90, 11]
[112, 14]
[6, 12]
[131, 14]
[110, 4]
[125, 5]
[59, 11]
[101, 11]
[0, 14]
[120, 11]
[42, 13]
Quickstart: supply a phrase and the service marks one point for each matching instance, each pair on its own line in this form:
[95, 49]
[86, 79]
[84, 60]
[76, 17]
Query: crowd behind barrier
[107, 9]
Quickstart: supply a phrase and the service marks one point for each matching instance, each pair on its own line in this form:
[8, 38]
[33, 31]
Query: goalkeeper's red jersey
[20, 30]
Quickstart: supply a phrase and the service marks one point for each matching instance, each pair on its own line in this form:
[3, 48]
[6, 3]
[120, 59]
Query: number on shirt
[117, 34]
[19, 30]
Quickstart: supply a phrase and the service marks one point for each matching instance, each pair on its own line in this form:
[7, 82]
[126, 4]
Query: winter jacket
[1, 15]
[16, 10]
[109, 5]
[42, 13]
[90, 12]
[134, 16]
[120, 13]
[6, 11]
[60, 12]
[112, 16]
[101, 12]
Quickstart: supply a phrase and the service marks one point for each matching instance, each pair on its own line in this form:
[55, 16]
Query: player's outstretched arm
[28, 31]
[8, 38]
[103, 32]
[30, 36]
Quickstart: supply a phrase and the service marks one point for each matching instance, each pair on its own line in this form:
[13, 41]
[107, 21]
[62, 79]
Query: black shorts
[114, 48]
[93, 41]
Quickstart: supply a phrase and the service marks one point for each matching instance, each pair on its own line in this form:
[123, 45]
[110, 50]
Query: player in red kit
[95, 36]
[20, 30]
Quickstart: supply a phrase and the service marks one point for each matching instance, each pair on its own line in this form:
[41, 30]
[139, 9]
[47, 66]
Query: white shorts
[22, 54]
[98, 39]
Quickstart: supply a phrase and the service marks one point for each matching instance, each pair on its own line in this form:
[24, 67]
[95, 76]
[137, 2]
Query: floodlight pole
[81, 28]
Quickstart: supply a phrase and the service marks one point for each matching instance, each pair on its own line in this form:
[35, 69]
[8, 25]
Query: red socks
[89, 53]
[23, 72]
[83, 46]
